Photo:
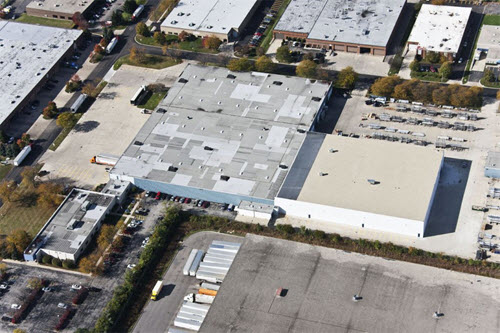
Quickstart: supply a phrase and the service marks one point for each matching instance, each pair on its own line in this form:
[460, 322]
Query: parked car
[62, 306]
[131, 266]
[15, 306]
[205, 204]
[4, 285]
[47, 289]
[158, 196]
[200, 203]
[76, 286]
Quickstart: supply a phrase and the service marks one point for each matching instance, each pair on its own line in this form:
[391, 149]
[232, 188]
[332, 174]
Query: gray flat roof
[62, 6]
[216, 16]
[489, 39]
[320, 283]
[73, 221]
[366, 22]
[493, 160]
[406, 176]
[440, 28]
[222, 123]
[27, 53]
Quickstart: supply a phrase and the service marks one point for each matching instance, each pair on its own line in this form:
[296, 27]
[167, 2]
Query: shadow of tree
[86, 126]
[109, 95]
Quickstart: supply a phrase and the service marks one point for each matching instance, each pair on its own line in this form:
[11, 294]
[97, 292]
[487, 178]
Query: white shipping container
[189, 261]
[196, 263]
[194, 306]
[201, 313]
[221, 252]
[178, 330]
[223, 249]
[206, 299]
[213, 270]
[190, 316]
[440, 137]
[228, 244]
[210, 276]
[189, 324]
[22, 155]
[215, 265]
[210, 286]
[458, 139]
[209, 258]
[418, 134]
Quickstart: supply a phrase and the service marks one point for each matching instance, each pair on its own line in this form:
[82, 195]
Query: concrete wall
[306, 210]
[492, 172]
[253, 214]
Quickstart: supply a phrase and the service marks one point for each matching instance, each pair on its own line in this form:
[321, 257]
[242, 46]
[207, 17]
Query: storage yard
[294, 287]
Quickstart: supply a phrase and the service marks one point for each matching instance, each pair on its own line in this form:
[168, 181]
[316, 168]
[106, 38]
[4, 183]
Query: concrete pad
[108, 127]
[362, 63]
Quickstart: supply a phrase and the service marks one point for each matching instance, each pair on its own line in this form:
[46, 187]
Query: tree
[66, 120]
[80, 21]
[50, 110]
[24, 140]
[403, 91]
[89, 89]
[159, 38]
[432, 57]
[105, 237]
[17, 241]
[142, 29]
[116, 18]
[498, 94]
[49, 194]
[129, 6]
[211, 43]
[489, 76]
[164, 50]
[3, 269]
[283, 54]
[28, 177]
[347, 78]
[137, 54]
[385, 85]
[445, 70]
[441, 96]
[265, 64]
[438, 2]
[86, 265]
[34, 283]
[183, 36]
[18, 330]
[306, 68]
[7, 190]
[56, 262]
[107, 34]
[415, 66]
[240, 65]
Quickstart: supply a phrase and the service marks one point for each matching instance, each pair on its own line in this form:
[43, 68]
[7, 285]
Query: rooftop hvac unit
[373, 182]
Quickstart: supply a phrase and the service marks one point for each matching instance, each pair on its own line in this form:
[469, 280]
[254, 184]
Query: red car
[205, 204]
[257, 34]
[158, 196]
[187, 200]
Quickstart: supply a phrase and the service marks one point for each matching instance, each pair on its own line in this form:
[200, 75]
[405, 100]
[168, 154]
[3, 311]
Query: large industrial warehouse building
[439, 29]
[222, 136]
[29, 55]
[59, 9]
[224, 19]
[364, 183]
[357, 26]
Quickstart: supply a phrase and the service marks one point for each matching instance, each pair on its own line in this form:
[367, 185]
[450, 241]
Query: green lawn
[151, 61]
[31, 219]
[64, 133]
[4, 170]
[427, 76]
[490, 84]
[153, 101]
[491, 20]
[195, 45]
[151, 41]
[268, 34]
[68, 24]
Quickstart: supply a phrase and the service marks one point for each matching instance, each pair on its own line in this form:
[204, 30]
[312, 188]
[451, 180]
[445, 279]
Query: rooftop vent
[224, 178]
[183, 80]
[210, 26]
[208, 148]
[173, 22]
[316, 99]
[278, 83]
[172, 169]
[321, 174]
[180, 14]
[283, 166]
[300, 130]
[373, 182]
[161, 110]
[138, 143]
[191, 24]
[231, 76]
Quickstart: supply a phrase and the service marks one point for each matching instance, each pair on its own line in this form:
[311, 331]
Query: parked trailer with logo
[22, 155]
[78, 103]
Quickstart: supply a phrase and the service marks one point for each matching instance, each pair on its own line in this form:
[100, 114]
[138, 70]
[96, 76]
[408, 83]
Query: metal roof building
[223, 136]
[358, 26]
[58, 9]
[439, 29]
[222, 18]
[492, 167]
[366, 183]
[70, 229]
[489, 43]
[28, 55]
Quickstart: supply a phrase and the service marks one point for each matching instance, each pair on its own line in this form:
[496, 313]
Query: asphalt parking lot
[44, 315]
[319, 286]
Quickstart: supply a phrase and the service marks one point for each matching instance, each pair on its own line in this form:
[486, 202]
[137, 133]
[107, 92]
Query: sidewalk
[36, 265]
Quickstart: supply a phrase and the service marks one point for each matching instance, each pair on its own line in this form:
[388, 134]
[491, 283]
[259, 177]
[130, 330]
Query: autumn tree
[66, 120]
[3, 269]
[488, 75]
[34, 283]
[183, 36]
[306, 68]
[283, 54]
[159, 38]
[142, 29]
[50, 111]
[415, 66]
[7, 190]
[441, 96]
[240, 65]
[498, 94]
[17, 241]
[211, 43]
[265, 64]
[385, 86]
[105, 237]
[24, 140]
[28, 177]
[347, 78]
[445, 70]
[87, 264]
[438, 2]
[79, 20]
[137, 54]
[49, 195]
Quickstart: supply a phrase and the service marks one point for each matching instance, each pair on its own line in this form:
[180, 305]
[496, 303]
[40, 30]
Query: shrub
[68, 264]
[336, 238]
[56, 262]
[319, 234]
[46, 259]
[285, 229]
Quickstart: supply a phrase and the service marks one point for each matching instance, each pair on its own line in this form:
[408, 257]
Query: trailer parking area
[462, 181]
[319, 285]
[108, 127]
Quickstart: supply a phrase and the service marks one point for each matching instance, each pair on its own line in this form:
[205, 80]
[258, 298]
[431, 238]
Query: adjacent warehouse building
[365, 183]
[70, 229]
[492, 167]
[224, 136]
[439, 29]
[357, 26]
[489, 44]
[59, 9]
[224, 19]
[29, 55]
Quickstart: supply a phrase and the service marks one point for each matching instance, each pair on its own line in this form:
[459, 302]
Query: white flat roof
[62, 6]
[440, 28]
[27, 53]
[489, 40]
[210, 16]
[405, 176]
[365, 22]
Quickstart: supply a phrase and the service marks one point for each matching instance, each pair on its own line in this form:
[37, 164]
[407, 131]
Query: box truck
[105, 159]
[156, 290]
